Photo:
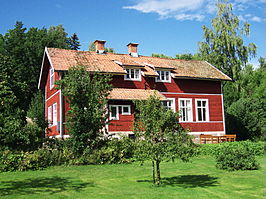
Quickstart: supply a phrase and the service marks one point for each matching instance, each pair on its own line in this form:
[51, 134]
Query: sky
[169, 27]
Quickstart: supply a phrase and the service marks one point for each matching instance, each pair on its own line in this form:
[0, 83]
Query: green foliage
[158, 135]
[256, 148]
[87, 96]
[224, 48]
[114, 151]
[247, 118]
[236, 157]
[36, 111]
[161, 56]
[188, 56]
[73, 42]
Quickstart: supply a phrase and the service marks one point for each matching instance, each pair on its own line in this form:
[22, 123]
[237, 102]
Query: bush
[114, 151]
[236, 157]
[257, 148]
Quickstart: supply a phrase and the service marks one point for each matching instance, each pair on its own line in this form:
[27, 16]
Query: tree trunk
[158, 172]
[153, 172]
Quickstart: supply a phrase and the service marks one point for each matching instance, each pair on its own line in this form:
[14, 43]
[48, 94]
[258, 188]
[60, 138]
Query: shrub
[257, 148]
[236, 157]
[114, 151]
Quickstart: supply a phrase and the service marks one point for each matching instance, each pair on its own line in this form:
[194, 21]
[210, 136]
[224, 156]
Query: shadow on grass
[50, 185]
[188, 181]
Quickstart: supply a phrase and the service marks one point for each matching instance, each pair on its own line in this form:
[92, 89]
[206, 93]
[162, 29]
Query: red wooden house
[191, 87]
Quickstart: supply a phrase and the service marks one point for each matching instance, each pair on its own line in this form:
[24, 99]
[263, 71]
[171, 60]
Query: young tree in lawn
[73, 42]
[224, 47]
[86, 94]
[159, 136]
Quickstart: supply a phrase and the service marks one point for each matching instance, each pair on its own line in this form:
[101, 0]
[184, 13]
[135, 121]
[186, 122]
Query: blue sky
[159, 26]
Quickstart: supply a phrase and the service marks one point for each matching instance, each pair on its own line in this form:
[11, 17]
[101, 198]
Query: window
[169, 104]
[202, 110]
[133, 74]
[185, 110]
[164, 76]
[51, 78]
[116, 109]
[114, 114]
[50, 115]
[126, 110]
[55, 114]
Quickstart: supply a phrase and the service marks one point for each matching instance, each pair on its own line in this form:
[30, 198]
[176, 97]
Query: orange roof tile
[133, 94]
[64, 59]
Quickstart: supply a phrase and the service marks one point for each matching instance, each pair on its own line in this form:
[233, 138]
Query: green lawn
[199, 179]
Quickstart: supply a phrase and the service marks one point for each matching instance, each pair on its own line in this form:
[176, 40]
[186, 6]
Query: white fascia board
[44, 53]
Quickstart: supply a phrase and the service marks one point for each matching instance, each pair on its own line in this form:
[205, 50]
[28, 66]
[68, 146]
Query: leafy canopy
[86, 94]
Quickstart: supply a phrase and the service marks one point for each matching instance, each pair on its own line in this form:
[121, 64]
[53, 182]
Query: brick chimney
[99, 46]
[133, 49]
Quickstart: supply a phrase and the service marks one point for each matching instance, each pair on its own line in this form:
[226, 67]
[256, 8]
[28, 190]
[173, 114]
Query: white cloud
[166, 7]
[256, 19]
[183, 17]
[192, 9]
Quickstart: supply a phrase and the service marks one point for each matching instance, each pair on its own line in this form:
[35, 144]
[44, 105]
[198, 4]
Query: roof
[133, 94]
[62, 60]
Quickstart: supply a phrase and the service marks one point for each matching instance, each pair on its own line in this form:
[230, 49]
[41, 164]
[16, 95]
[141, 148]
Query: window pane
[199, 103]
[132, 73]
[204, 114]
[113, 112]
[199, 114]
[167, 75]
[137, 71]
[127, 76]
[203, 103]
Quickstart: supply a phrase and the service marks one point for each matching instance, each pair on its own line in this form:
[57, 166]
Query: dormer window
[51, 78]
[133, 74]
[164, 76]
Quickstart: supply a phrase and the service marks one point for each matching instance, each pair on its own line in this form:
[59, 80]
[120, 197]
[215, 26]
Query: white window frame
[207, 110]
[117, 112]
[172, 107]
[129, 110]
[190, 114]
[162, 73]
[55, 114]
[49, 115]
[129, 72]
[51, 78]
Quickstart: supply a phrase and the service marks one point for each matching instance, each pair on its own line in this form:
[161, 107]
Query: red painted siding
[125, 122]
[52, 96]
[178, 88]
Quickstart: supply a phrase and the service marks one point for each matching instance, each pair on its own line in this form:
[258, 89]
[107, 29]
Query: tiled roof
[133, 94]
[116, 63]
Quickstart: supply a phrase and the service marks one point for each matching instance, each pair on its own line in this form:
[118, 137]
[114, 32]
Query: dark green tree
[159, 136]
[73, 42]
[87, 96]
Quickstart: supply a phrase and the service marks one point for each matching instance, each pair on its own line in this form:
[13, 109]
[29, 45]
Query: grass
[199, 179]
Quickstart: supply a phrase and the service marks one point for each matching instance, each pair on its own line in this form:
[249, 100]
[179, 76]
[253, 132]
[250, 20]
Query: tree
[188, 56]
[93, 48]
[73, 42]
[159, 136]
[224, 47]
[161, 56]
[87, 96]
